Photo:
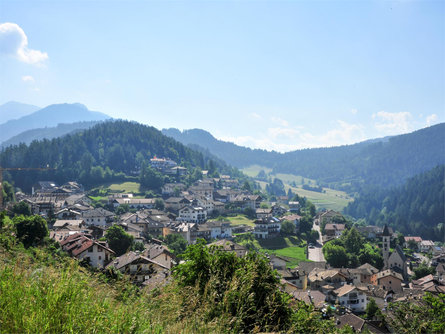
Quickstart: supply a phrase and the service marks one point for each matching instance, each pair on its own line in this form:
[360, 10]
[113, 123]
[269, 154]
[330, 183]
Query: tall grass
[66, 298]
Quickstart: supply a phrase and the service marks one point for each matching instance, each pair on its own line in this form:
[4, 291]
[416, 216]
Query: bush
[31, 230]
[244, 289]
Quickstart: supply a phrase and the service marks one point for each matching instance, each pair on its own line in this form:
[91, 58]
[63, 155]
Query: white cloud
[289, 139]
[13, 42]
[255, 116]
[392, 123]
[354, 111]
[280, 121]
[27, 78]
[431, 119]
[283, 132]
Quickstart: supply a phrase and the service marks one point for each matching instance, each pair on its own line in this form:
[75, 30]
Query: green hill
[415, 208]
[107, 152]
[383, 162]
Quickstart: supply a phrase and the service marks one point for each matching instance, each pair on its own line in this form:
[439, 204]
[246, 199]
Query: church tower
[385, 246]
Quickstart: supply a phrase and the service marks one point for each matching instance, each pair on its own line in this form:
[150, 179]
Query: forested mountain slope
[416, 208]
[386, 162]
[50, 116]
[92, 155]
[28, 136]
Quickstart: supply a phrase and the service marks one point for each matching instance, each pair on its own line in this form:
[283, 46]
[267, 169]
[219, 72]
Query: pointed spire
[386, 232]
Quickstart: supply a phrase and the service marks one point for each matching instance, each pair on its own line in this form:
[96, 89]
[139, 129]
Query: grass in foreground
[65, 298]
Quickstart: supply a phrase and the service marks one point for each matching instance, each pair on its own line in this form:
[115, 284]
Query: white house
[192, 214]
[426, 246]
[349, 296]
[76, 224]
[82, 247]
[294, 206]
[267, 228]
[135, 203]
[68, 214]
[294, 219]
[220, 230]
[98, 217]
[169, 189]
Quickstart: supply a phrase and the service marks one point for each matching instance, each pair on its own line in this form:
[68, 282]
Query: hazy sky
[274, 75]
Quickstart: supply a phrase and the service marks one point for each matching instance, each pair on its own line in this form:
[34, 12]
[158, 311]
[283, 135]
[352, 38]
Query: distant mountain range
[384, 162]
[49, 116]
[60, 130]
[13, 110]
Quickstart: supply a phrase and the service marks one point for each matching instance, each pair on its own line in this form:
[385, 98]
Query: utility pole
[19, 168]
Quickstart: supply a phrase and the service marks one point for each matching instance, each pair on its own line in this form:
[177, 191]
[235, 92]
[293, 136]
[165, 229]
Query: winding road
[316, 254]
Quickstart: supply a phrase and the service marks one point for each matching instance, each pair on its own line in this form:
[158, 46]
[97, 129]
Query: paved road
[423, 258]
[315, 254]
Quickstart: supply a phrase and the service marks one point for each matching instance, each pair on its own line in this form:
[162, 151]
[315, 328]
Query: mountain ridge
[61, 129]
[50, 116]
[387, 161]
[13, 110]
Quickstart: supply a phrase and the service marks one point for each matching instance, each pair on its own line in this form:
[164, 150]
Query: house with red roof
[83, 247]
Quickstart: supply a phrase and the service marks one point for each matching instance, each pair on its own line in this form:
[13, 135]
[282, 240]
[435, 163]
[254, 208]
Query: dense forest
[107, 151]
[415, 208]
[385, 163]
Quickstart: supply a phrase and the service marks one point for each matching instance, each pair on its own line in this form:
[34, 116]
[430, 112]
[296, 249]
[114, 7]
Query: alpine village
[119, 227]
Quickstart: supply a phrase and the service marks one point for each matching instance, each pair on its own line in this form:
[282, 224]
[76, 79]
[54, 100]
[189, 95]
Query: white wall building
[192, 214]
[349, 296]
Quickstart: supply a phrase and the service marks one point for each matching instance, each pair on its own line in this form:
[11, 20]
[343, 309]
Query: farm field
[125, 187]
[253, 170]
[240, 220]
[290, 247]
[331, 199]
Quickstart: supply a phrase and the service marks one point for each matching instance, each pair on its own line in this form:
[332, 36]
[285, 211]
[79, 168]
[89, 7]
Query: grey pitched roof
[130, 257]
[400, 252]
[98, 212]
[352, 320]
[306, 267]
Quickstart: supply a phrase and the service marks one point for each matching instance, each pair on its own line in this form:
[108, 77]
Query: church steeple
[386, 236]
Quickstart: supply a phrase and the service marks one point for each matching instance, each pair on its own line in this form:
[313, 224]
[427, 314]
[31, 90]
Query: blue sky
[274, 75]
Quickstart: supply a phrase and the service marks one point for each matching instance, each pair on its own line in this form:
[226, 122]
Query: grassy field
[240, 220]
[299, 180]
[291, 247]
[125, 187]
[331, 199]
[253, 170]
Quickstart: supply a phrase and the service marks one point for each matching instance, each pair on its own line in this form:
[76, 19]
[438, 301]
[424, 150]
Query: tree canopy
[415, 208]
[119, 240]
[31, 230]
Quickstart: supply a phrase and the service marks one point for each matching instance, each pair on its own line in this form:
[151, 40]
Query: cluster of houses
[79, 228]
[187, 211]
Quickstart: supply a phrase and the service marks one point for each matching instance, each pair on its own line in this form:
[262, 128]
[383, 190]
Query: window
[100, 257]
[90, 250]
[99, 249]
